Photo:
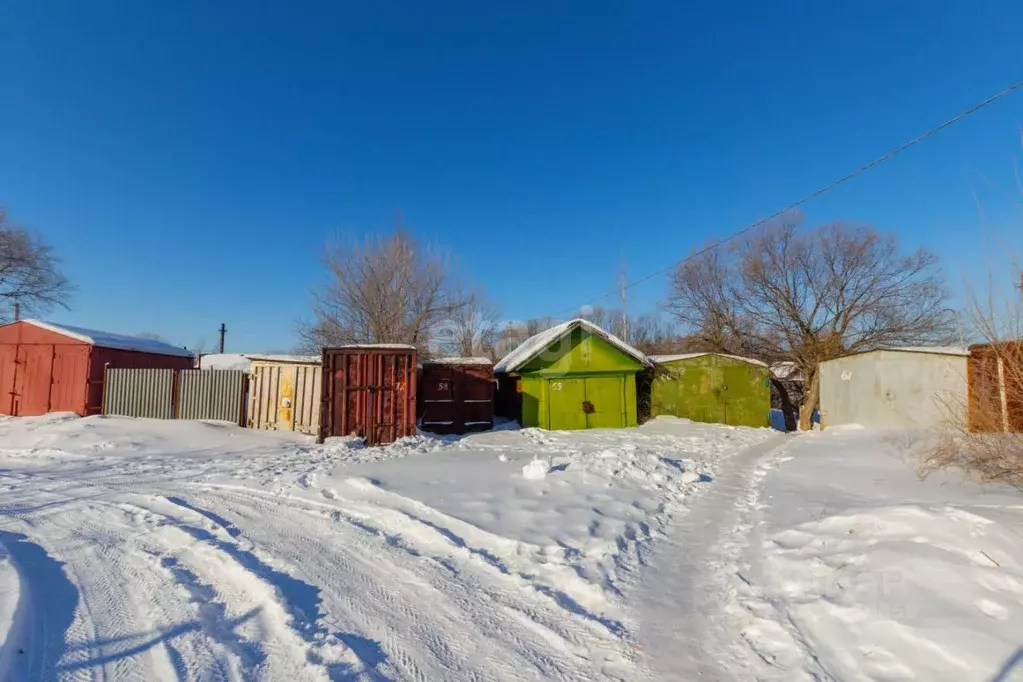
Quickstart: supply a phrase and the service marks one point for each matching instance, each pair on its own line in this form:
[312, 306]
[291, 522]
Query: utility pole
[17, 310]
[223, 330]
[623, 293]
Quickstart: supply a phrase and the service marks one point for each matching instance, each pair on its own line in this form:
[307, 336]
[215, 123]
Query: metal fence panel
[139, 393]
[212, 394]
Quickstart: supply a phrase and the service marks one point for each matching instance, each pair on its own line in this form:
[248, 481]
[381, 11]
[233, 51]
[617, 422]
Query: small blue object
[778, 419]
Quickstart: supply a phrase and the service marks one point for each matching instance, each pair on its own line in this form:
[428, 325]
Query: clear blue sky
[188, 159]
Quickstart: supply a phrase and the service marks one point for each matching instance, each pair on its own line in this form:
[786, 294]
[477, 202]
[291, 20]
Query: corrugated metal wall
[370, 392]
[456, 398]
[285, 397]
[139, 393]
[159, 394]
[206, 394]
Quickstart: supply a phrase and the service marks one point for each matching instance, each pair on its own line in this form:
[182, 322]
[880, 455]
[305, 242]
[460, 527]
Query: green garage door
[606, 396]
[565, 398]
[590, 403]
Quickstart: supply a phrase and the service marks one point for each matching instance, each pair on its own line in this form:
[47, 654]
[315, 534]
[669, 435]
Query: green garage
[573, 376]
[711, 387]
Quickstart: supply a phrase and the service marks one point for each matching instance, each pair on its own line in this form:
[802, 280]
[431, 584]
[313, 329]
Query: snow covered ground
[845, 566]
[139, 550]
[161, 550]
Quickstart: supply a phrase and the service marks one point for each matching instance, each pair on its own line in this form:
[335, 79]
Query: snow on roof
[278, 357]
[401, 346]
[536, 344]
[661, 359]
[458, 361]
[936, 350]
[929, 350]
[109, 340]
[243, 361]
[224, 361]
[786, 370]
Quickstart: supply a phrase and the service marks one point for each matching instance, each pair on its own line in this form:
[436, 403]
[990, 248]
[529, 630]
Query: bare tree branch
[784, 294]
[382, 289]
[30, 274]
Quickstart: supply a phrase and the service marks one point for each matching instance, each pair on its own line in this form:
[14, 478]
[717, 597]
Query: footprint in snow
[993, 609]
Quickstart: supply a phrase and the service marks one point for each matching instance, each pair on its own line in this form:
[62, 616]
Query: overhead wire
[799, 202]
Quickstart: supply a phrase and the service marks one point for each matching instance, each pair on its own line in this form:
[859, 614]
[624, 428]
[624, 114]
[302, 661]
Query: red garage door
[40, 378]
[32, 380]
[8, 371]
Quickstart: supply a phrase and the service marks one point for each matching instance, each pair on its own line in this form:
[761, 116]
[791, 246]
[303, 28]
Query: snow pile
[865, 572]
[536, 470]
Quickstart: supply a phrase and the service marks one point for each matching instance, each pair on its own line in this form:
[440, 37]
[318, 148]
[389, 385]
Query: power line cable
[812, 195]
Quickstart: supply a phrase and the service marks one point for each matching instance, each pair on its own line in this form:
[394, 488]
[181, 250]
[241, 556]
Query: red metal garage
[48, 367]
[456, 395]
[369, 391]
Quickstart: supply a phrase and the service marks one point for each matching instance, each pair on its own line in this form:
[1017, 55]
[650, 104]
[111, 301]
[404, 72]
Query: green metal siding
[712, 388]
[577, 369]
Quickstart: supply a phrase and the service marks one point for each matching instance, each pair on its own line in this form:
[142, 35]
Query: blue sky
[188, 159]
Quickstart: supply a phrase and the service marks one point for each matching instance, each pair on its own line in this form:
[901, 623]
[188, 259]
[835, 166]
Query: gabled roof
[109, 340]
[661, 359]
[536, 344]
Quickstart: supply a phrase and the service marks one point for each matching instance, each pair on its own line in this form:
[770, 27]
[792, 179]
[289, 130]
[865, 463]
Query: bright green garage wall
[712, 388]
[575, 363]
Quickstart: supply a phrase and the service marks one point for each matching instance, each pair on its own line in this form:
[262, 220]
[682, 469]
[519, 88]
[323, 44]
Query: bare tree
[508, 336]
[608, 319]
[538, 324]
[382, 289]
[653, 335]
[471, 329]
[152, 336]
[783, 294]
[30, 274]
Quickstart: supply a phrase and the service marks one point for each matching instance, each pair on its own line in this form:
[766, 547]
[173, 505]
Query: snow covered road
[160, 550]
[146, 550]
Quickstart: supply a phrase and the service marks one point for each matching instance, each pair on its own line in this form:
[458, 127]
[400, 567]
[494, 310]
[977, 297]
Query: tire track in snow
[464, 610]
[349, 578]
[131, 626]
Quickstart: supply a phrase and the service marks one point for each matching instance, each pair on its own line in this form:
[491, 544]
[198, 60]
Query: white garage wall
[894, 390]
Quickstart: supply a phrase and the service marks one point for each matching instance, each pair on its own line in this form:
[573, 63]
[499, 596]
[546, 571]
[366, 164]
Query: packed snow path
[147, 550]
[684, 630]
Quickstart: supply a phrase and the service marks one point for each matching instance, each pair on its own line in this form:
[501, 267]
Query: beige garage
[284, 392]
